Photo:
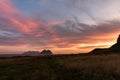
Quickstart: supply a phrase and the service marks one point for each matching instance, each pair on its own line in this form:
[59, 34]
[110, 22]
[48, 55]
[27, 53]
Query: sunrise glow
[63, 26]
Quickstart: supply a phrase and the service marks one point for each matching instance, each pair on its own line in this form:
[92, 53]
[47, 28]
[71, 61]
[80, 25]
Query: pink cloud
[52, 34]
[6, 7]
[15, 18]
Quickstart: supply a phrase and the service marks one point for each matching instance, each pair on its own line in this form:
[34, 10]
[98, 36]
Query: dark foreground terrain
[64, 67]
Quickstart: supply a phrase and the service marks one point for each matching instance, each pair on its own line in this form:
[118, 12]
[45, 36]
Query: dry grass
[89, 67]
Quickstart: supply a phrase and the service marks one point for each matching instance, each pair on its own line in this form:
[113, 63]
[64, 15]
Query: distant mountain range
[113, 49]
[37, 53]
[9, 55]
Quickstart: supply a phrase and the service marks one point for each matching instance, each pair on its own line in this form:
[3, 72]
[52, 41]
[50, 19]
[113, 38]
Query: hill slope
[113, 49]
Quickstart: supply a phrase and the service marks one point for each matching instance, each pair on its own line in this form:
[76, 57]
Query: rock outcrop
[46, 52]
[37, 53]
[113, 49]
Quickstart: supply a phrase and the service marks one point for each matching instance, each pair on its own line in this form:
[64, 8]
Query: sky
[63, 26]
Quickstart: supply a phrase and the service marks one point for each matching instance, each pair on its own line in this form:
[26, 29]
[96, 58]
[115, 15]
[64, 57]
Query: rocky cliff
[113, 49]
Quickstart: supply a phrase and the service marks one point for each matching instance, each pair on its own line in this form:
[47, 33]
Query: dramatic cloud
[64, 26]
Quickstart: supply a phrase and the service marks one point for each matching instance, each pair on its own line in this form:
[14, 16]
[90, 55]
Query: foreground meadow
[64, 67]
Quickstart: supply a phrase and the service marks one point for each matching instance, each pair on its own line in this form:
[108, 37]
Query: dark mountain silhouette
[113, 49]
[46, 52]
[31, 53]
[37, 53]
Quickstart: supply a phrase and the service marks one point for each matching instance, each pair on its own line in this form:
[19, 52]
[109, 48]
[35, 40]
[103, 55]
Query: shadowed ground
[64, 67]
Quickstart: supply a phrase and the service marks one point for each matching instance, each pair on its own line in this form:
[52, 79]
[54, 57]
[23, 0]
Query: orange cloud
[60, 36]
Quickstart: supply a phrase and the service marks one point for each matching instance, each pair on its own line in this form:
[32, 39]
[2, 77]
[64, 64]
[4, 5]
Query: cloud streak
[72, 35]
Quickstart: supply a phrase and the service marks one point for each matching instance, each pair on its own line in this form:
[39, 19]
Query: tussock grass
[87, 67]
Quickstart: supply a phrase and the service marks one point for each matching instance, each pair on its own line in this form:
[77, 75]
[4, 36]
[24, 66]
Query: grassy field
[69, 67]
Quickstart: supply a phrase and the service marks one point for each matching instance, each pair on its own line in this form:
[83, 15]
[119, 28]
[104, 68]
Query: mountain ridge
[37, 53]
[113, 49]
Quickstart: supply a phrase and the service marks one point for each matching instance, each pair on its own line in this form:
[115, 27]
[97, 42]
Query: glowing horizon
[63, 26]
